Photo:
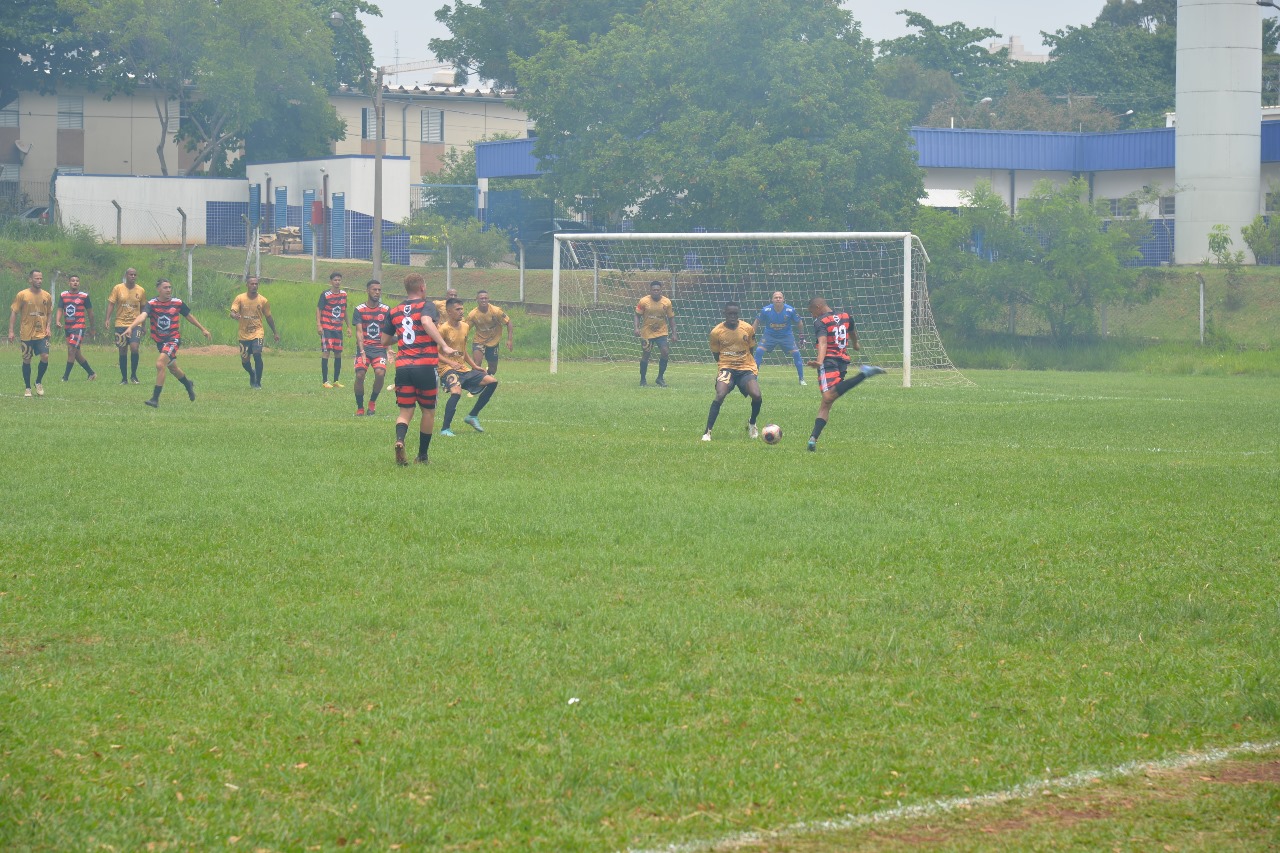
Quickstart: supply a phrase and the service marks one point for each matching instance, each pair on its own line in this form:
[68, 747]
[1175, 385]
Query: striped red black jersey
[374, 320]
[416, 347]
[74, 306]
[836, 327]
[165, 318]
[333, 310]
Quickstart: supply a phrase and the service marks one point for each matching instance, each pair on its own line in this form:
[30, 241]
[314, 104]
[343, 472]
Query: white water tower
[1218, 159]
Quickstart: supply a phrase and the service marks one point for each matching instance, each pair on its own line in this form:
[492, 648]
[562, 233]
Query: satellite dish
[24, 148]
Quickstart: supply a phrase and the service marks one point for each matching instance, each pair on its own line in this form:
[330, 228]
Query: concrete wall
[149, 205]
[352, 175]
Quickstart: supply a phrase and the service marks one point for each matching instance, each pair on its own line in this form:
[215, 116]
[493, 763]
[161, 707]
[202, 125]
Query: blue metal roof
[948, 148]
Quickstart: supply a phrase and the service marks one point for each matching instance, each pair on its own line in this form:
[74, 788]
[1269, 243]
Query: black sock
[755, 409]
[848, 384]
[257, 367]
[247, 369]
[84, 362]
[155, 393]
[644, 367]
[713, 414]
[449, 409]
[424, 444]
[133, 364]
[359, 400]
[66, 374]
[43, 366]
[662, 366]
[401, 431]
[324, 369]
[337, 367]
[26, 374]
[124, 366]
[818, 424]
[483, 398]
[377, 389]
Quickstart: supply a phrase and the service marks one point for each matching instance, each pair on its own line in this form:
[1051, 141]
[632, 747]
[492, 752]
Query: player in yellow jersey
[126, 301]
[34, 305]
[459, 372]
[655, 326]
[733, 343]
[249, 309]
[441, 304]
[487, 320]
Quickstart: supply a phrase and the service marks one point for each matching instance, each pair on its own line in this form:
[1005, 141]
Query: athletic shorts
[134, 337]
[371, 357]
[253, 347]
[490, 353]
[832, 373]
[770, 343]
[31, 349]
[330, 341]
[416, 386]
[467, 380]
[735, 379]
[169, 348]
[74, 337]
[649, 343]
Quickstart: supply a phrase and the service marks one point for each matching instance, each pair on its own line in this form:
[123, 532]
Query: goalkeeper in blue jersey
[777, 319]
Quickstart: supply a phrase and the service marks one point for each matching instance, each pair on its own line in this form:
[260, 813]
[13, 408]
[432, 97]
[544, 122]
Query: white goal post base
[878, 277]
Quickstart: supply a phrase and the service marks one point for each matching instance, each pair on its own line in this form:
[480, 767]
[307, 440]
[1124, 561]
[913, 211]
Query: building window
[9, 115]
[1273, 202]
[70, 112]
[433, 125]
[368, 123]
[1167, 205]
[1119, 207]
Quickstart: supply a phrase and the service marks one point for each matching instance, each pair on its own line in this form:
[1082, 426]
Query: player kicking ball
[461, 372]
[835, 334]
[733, 344]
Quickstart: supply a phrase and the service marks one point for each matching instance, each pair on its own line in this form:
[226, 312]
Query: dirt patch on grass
[1266, 773]
[212, 349]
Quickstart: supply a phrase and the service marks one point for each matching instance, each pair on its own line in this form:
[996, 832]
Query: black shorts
[831, 373]
[467, 380]
[40, 346]
[416, 386]
[660, 342]
[253, 347]
[736, 379]
[135, 336]
[331, 341]
[490, 353]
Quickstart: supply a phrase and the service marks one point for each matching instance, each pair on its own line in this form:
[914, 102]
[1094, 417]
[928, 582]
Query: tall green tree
[727, 114]
[485, 38]
[955, 49]
[40, 48]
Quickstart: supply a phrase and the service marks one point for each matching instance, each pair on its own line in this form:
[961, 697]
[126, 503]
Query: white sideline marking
[950, 804]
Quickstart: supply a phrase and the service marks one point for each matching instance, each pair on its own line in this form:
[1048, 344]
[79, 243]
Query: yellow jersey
[252, 312]
[34, 308]
[654, 317]
[456, 338]
[488, 325]
[734, 348]
[128, 302]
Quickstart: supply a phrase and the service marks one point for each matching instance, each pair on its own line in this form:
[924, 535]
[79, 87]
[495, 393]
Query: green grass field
[238, 622]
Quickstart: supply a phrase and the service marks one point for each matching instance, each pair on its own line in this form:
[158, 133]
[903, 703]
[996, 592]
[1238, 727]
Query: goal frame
[905, 236]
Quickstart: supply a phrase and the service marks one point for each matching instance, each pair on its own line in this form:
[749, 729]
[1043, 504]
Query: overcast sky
[412, 22]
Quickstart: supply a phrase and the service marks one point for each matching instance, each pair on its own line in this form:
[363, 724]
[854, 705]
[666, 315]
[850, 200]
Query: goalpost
[878, 277]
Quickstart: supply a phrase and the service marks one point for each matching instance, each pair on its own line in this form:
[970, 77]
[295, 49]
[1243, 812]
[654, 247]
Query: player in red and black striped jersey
[331, 323]
[835, 334]
[419, 347]
[372, 317]
[74, 309]
[166, 315]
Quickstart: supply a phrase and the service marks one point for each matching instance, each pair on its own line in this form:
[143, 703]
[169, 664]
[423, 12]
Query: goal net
[879, 278]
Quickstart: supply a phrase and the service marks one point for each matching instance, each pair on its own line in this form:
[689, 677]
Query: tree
[1023, 109]
[223, 66]
[954, 49]
[40, 47]
[485, 38]
[352, 52]
[469, 242]
[903, 78]
[726, 114]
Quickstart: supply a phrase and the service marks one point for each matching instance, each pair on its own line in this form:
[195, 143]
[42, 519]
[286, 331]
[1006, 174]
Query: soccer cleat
[871, 370]
[802, 382]
[124, 381]
[420, 460]
[391, 387]
[66, 379]
[339, 385]
[327, 385]
[706, 436]
[448, 433]
[93, 377]
[401, 458]
[155, 404]
[753, 431]
[661, 383]
[359, 413]
[191, 390]
[373, 408]
[813, 444]
[39, 390]
[133, 380]
[644, 384]
[26, 393]
[473, 422]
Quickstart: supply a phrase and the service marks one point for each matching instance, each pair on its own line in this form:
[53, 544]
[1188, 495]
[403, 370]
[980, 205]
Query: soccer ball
[771, 434]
